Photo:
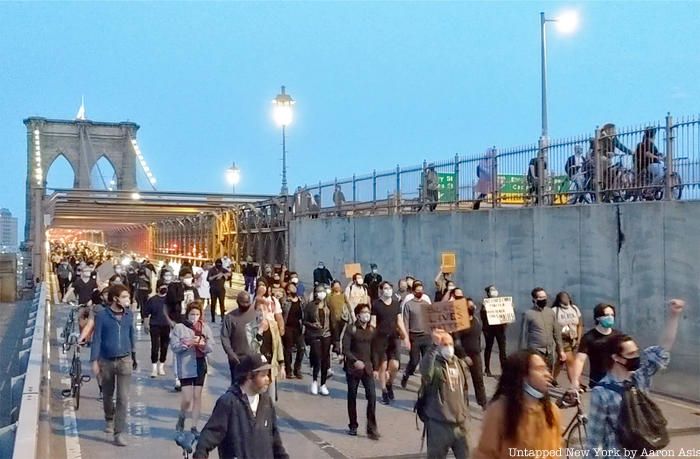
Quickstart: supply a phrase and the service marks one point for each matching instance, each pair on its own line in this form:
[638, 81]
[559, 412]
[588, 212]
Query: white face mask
[167, 278]
[187, 281]
[118, 270]
[124, 302]
[364, 317]
[374, 271]
[85, 275]
[532, 392]
[450, 287]
[493, 293]
[294, 280]
[321, 295]
[447, 352]
[387, 292]
[359, 281]
[193, 318]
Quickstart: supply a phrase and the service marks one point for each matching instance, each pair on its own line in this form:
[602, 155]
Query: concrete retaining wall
[633, 255]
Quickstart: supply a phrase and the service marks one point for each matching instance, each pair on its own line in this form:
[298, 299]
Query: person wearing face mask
[113, 358]
[410, 281]
[468, 347]
[155, 318]
[418, 333]
[569, 317]
[492, 333]
[191, 341]
[276, 289]
[270, 328]
[540, 330]
[217, 278]
[235, 336]
[143, 288]
[627, 369]
[594, 346]
[357, 348]
[318, 335]
[386, 348]
[82, 287]
[180, 293]
[293, 340]
[521, 417]
[441, 281]
[322, 275]
[340, 315]
[356, 293]
[372, 281]
[64, 272]
[294, 279]
[449, 293]
[251, 271]
[445, 405]
[403, 290]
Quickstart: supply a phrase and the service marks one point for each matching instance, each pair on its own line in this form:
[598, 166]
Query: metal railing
[653, 161]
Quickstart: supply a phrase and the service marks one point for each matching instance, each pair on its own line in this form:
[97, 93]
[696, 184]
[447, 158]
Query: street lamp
[233, 175]
[282, 113]
[566, 23]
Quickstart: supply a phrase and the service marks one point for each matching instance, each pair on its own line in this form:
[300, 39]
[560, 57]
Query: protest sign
[448, 262]
[450, 316]
[351, 269]
[499, 310]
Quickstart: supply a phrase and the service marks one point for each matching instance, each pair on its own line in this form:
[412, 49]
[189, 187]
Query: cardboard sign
[450, 316]
[499, 310]
[351, 269]
[448, 262]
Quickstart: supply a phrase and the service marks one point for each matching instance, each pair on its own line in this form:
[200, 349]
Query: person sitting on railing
[339, 200]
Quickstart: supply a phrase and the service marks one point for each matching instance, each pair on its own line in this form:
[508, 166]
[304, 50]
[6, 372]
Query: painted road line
[70, 423]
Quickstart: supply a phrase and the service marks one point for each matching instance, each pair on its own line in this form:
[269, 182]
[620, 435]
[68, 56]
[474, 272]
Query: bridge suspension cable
[144, 166]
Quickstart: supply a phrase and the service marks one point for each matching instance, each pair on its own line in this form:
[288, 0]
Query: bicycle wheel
[676, 186]
[77, 395]
[577, 437]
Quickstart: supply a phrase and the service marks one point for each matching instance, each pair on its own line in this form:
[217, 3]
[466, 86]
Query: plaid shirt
[605, 403]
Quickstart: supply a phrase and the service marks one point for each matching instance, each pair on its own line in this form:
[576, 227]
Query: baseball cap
[253, 363]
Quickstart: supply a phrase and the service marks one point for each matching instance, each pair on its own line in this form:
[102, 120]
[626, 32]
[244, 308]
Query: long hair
[510, 388]
[558, 301]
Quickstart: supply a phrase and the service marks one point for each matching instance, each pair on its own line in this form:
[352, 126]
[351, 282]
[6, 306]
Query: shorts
[385, 348]
[201, 372]
[570, 346]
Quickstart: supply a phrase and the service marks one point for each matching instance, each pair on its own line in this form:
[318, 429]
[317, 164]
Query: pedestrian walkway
[311, 426]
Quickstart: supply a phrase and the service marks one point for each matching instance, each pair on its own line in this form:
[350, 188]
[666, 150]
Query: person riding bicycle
[647, 159]
[607, 144]
[533, 177]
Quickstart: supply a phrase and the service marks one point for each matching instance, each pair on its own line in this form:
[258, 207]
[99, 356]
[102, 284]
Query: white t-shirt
[568, 319]
[254, 401]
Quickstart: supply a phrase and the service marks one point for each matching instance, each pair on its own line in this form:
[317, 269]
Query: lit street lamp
[282, 113]
[566, 23]
[233, 175]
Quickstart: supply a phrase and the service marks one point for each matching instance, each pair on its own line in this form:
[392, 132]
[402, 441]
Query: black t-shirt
[217, 285]
[386, 317]
[294, 316]
[250, 270]
[83, 290]
[594, 344]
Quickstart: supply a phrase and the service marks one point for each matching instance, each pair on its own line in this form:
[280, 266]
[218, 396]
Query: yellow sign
[448, 262]
[351, 269]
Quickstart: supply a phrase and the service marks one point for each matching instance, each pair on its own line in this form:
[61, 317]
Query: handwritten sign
[448, 262]
[499, 310]
[351, 269]
[450, 316]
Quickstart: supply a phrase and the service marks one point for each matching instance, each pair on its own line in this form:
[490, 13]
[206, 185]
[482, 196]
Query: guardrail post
[320, 199]
[354, 192]
[597, 176]
[541, 179]
[495, 188]
[397, 193]
[456, 181]
[669, 157]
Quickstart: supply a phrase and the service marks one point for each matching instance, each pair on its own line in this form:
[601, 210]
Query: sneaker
[385, 398]
[324, 390]
[195, 432]
[488, 374]
[404, 381]
[154, 372]
[119, 440]
[180, 426]
[99, 397]
[109, 427]
[298, 375]
[178, 386]
[390, 391]
[373, 436]
[314, 388]
[161, 369]
[352, 432]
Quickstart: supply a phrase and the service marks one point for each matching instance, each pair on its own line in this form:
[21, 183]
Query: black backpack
[641, 424]
[419, 406]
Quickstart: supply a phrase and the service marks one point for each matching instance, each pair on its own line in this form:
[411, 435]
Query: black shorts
[385, 348]
[201, 372]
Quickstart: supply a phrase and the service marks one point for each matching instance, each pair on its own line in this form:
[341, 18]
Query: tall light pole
[282, 113]
[566, 23]
[233, 175]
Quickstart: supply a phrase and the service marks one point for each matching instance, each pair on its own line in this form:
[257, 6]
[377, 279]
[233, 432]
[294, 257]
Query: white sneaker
[324, 390]
[314, 388]
[161, 369]
[154, 372]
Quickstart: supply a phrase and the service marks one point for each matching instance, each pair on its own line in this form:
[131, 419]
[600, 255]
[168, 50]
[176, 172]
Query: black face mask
[218, 265]
[632, 364]
[541, 303]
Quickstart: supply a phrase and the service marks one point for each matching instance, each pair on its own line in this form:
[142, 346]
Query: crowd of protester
[365, 326]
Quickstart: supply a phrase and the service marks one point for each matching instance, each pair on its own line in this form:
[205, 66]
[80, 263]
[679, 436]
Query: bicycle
[77, 378]
[69, 326]
[655, 191]
[187, 441]
[576, 433]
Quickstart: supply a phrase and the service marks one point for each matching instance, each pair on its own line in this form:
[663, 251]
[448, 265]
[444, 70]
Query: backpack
[641, 424]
